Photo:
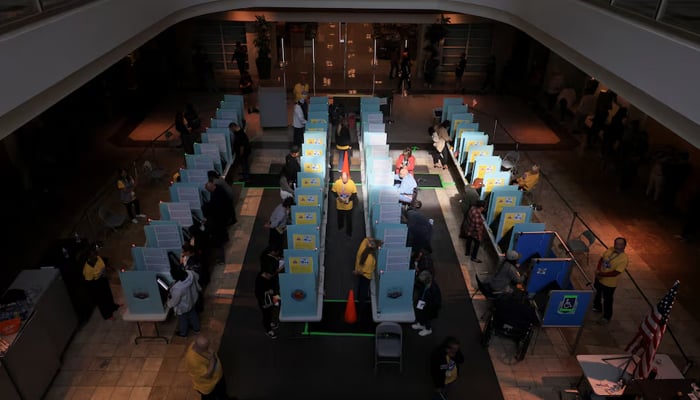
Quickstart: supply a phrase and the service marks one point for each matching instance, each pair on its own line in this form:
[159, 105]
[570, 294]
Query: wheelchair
[513, 318]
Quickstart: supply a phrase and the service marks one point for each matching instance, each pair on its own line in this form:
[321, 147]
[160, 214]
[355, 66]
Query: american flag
[650, 333]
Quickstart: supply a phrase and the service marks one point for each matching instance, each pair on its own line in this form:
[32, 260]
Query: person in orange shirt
[204, 366]
[612, 263]
[406, 159]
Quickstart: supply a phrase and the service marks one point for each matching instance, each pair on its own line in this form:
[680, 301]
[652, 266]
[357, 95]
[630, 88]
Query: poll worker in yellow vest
[444, 366]
[529, 179]
[98, 285]
[204, 367]
[612, 263]
[345, 193]
[365, 264]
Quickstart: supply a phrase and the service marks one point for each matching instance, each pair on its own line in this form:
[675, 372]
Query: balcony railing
[14, 13]
[683, 15]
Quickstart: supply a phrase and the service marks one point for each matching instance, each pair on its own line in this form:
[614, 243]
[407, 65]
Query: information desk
[603, 371]
[154, 318]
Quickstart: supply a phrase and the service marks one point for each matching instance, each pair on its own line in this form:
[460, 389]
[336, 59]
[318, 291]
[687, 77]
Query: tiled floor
[103, 363]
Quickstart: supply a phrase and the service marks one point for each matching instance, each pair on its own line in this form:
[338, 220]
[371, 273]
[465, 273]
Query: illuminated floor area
[103, 363]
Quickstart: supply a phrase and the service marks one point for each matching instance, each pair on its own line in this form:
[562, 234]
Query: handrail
[576, 215]
[109, 186]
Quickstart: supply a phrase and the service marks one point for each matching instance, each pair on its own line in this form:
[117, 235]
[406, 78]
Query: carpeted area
[428, 180]
[333, 322]
[322, 367]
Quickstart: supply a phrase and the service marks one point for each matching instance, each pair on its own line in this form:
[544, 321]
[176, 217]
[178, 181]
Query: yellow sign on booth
[304, 242]
[490, 183]
[513, 218]
[483, 169]
[301, 265]
[310, 182]
[313, 167]
[313, 140]
[308, 200]
[305, 218]
[313, 152]
[477, 153]
[504, 201]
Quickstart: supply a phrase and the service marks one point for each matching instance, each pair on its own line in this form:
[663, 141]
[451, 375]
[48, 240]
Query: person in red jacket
[407, 160]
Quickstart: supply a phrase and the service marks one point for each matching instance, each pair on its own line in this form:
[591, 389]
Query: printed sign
[513, 218]
[301, 265]
[305, 218]
[304, 241]
[504, 201]
[308, 199]
[310, 182]
[313, 167]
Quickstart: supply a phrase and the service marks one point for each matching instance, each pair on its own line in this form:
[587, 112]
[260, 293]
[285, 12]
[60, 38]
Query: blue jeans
[187, 320]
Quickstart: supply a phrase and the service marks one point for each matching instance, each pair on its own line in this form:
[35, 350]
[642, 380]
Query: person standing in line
[266, 292]
[490, 78]
[427, 301]
[345, 193]
[126, 185]
[278, 223]
[292, 163]
[240, 57]
[395, 58]
[612, 263]
[98, 285]
[248, 91]
[365, 264]
[404, 73]
[475, 230]
[444, 366]
[241, 149]
[186, 137]
[182, 299]
[301, 94]
[299, 123]
[342, 143]
[459, 71]
[204, 367]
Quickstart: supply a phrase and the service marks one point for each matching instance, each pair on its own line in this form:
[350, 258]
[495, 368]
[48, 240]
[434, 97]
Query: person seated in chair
[406, 185]
[507, 277]
[529, 179]
[406, 159]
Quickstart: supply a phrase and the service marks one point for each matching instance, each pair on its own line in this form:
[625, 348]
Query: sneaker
[418, 326]
[136, 221]
[425, 332]
[141, 215]
[274, 325]
[271, 334]
[603, 321]
[596, 309]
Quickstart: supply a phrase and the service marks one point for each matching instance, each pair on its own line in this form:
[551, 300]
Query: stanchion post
[571, 227]
[495, 126]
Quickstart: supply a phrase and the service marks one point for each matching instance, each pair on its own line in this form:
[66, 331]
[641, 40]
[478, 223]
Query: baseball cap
[512, 255]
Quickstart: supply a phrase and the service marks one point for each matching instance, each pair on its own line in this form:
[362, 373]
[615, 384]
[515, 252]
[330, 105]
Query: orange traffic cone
[350, 312]
[346, 164]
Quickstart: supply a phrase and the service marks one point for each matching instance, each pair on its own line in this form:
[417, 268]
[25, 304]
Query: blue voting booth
[511, 216]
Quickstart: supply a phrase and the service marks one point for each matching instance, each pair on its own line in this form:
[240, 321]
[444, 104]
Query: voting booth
[301, 286]
[392, 284]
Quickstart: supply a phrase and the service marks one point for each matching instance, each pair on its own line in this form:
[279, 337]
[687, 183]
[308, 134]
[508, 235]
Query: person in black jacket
[266, 289]
[241, 149]
[427, 301]
[218, 212]
[444, 366]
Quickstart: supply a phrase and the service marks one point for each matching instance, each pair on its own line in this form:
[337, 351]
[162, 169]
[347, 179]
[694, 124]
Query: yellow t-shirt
[344, 190]
[91, 273]
[367, 269]
[528, 181]
[301, 91]
[197, 366]
[615, 262]
[451, 371]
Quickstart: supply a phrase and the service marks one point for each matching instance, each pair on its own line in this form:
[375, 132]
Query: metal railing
[501, 136]
[676, 15]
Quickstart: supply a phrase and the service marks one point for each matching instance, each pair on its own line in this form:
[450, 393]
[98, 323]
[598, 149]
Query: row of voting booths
[392, 286]
[509, 223]
[301, 286]
[146, 285]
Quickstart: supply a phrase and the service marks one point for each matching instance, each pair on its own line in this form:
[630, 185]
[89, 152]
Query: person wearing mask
[406, 186]
[444, 366]
[345, 193]
[241, 149]
[126, 185]
[182, 299]
[298, 123]
[98, 285]
[365, 264]
[204, 367]
[406, 159]
[475, 230]
[427, 301]
[507, 277]
[612, 263]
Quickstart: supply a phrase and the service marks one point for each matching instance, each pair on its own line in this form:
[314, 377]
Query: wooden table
[603, 371]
